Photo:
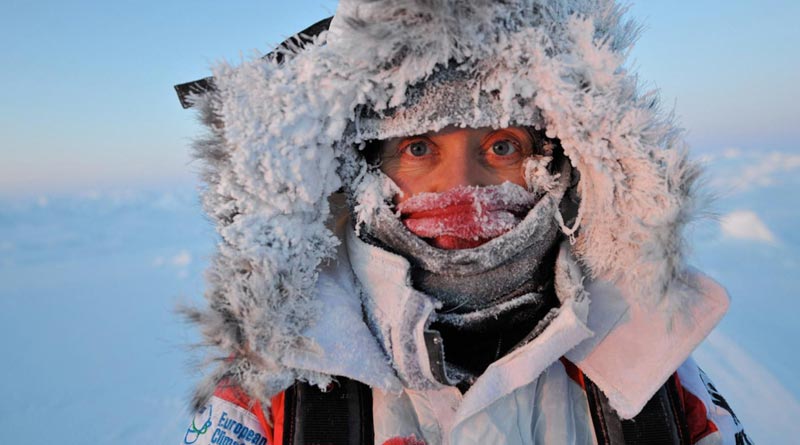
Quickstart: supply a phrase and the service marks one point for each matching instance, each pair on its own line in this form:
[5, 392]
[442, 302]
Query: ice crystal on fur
[282, 136]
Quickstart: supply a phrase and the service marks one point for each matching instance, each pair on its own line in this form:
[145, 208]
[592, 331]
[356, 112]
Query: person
[451, 222]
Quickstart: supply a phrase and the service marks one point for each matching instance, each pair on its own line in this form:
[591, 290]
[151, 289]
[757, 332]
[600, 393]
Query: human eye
[504, 147]
[416, 148]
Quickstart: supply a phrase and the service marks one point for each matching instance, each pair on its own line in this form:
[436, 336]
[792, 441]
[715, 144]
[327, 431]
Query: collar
[627, 350]
[402, 314]
[634, 349]
[341, 343]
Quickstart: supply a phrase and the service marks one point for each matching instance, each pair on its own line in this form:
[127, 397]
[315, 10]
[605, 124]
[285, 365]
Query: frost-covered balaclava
[506, 272]
[282, 138]
[489, 298]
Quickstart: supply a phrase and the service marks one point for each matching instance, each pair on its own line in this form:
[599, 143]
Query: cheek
[409, 182]
[409, 187]
[513, 173]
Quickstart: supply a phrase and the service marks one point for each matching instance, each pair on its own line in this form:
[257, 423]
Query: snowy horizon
[89, 282]
[102, 234]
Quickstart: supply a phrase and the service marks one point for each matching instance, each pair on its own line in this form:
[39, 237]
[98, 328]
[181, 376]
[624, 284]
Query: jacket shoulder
[231, 413]
[709, 417]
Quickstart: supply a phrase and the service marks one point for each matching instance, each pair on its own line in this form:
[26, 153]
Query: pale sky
[87, 100]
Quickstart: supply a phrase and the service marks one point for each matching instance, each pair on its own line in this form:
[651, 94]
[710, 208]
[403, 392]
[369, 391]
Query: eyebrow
[519, 132]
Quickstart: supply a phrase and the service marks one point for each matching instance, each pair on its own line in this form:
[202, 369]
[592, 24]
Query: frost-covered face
[453, 157]
[455, 183]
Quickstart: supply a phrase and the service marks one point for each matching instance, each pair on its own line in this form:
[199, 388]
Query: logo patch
[224, 423]
[200, 425]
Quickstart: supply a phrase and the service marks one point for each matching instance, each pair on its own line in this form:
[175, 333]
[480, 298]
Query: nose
[460, 169]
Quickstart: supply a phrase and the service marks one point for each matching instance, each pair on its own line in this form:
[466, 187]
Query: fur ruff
[281, 143]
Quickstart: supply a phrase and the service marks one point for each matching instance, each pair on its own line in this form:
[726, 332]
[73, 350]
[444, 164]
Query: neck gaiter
[492, 295]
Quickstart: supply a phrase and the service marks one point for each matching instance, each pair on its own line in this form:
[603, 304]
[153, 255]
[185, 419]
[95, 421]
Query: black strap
[340, 415]
[662, 421]
[291, 45]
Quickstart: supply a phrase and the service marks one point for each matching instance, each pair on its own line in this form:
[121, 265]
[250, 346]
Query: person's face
[440, 161]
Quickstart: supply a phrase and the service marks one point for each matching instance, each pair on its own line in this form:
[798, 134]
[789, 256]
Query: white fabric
[695, 381]
[343, 344]
[399, 312]
[634, 350]
[630, 354]
[548, 410]
[221, 421]
[525, 397]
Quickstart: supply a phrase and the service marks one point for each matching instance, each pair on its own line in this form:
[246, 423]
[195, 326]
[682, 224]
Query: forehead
[454, 132]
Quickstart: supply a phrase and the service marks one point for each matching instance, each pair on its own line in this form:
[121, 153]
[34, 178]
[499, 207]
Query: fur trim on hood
[282, 136]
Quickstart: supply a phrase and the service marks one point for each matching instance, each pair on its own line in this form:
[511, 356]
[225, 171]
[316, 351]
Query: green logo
[193, 432]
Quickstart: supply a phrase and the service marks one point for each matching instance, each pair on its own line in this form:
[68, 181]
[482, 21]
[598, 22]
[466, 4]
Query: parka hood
[284, 138]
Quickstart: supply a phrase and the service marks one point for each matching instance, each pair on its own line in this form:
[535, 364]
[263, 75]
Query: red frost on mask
[410, 440]
[466, 217]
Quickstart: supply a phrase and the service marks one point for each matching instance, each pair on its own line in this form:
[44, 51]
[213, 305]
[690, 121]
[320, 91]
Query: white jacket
[283, 292]
[530, 396]
[526, 397]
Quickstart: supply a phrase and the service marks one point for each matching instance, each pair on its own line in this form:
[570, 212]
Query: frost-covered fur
[282, 136]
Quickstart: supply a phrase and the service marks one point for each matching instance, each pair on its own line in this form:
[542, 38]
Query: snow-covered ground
[92, 349]
[91, 346]
[754, 250]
